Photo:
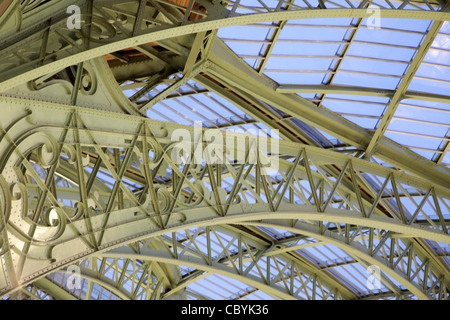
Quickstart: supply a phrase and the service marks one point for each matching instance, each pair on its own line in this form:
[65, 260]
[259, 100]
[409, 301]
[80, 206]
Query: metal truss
[95, 185]
[314, 190]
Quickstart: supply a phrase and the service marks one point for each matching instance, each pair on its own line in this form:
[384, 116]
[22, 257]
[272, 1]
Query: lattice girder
[94, 221]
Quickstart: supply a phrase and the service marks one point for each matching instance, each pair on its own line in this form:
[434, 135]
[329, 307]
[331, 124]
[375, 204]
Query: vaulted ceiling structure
[224, 149]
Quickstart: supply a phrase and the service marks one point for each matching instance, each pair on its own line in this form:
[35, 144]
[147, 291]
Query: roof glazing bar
[403, 87]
